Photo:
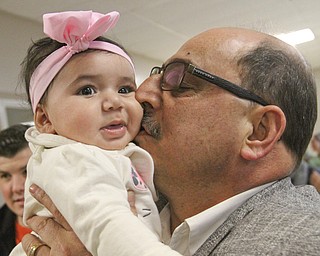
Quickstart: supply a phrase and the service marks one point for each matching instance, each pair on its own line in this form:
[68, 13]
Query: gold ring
[34, 248]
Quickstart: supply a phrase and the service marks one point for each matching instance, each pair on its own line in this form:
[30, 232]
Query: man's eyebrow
[23, 167]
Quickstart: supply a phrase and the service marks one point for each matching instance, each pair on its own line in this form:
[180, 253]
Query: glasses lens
[173, 75]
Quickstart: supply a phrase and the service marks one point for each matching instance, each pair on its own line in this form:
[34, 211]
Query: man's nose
[18, 183]
[150, 92]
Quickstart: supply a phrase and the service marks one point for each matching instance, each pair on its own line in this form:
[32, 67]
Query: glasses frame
[213, 79]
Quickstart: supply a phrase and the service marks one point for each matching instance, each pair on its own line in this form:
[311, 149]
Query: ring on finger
[34, 248]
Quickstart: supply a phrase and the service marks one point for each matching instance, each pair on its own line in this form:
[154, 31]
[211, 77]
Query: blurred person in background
[14, 156]
[309, 170]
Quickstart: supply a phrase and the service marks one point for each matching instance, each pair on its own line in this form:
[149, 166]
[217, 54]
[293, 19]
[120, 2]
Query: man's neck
[20, 220]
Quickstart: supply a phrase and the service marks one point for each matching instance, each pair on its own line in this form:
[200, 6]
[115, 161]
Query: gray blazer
[280, 220]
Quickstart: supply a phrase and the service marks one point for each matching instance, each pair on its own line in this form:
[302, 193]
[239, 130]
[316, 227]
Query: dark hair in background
[12, 140]
[286, 80]
[41, 49]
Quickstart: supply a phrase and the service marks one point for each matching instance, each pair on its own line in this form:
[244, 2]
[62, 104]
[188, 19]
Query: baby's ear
[268, 125]
[42, 121]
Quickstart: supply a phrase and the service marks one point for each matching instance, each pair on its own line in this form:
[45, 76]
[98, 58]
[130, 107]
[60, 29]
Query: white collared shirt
[194, 231]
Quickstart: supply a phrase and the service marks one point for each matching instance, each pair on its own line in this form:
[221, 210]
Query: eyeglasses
[174, 73]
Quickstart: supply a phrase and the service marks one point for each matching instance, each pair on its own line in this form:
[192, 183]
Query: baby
[81, 87]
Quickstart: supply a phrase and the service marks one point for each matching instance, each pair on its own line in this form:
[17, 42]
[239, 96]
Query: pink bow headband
[77, 29]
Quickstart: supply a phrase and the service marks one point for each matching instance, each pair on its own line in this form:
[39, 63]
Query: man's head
[206, 138]
[14, 156]
[271, 69]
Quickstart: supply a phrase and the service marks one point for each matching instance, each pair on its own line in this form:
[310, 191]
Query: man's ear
[42, 120]
[268, 125]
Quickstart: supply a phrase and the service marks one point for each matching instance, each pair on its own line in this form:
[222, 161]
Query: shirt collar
[194, 231]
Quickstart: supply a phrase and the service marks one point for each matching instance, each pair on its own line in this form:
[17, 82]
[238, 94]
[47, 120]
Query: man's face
[192, 134]
[12, 178]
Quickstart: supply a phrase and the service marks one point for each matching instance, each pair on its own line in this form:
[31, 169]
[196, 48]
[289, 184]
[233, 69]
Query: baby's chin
[116, 144]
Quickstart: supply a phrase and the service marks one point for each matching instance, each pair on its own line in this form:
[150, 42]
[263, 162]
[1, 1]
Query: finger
[41, 196]
[132, 202]
[47, 228]
[59, 239]
[28, 240]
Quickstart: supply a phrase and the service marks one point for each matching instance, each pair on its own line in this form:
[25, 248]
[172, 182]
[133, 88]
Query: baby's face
[92, 100]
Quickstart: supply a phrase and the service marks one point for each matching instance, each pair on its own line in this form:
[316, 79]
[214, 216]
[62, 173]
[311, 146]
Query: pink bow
[77, 29]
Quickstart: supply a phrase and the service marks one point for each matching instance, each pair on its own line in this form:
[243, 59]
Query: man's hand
[132, 202]
[55, 232]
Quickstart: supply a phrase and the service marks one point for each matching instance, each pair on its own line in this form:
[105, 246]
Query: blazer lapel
[216, 237]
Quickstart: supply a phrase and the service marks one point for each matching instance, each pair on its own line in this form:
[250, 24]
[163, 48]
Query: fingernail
[33, 188]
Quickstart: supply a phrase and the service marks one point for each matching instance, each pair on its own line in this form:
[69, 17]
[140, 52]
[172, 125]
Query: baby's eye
[126, 89]
[86, 91]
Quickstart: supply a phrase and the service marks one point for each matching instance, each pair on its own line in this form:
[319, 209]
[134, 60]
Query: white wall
[16, 35]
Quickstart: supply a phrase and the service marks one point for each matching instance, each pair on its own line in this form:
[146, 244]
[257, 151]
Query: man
[14, 156]
[225, 133]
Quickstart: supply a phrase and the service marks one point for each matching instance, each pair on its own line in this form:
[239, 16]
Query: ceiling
[156, 29]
